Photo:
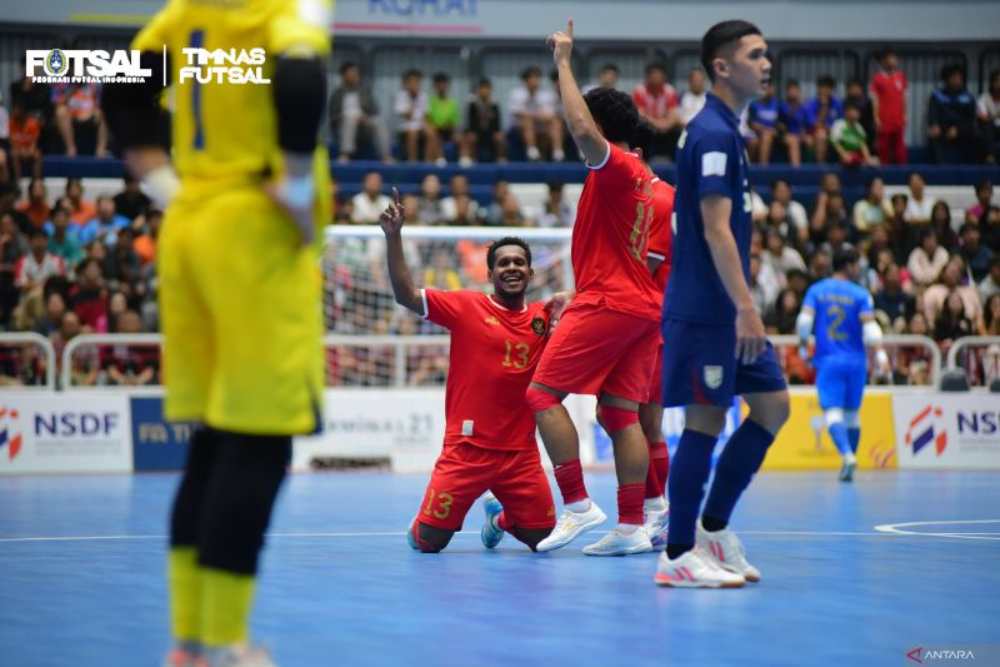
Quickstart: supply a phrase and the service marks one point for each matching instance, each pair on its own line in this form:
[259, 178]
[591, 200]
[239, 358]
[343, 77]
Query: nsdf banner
[58, 433]
[157, 444]
[804, 444]
[948, 430]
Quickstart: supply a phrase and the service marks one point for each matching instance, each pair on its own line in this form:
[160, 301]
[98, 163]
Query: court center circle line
[901, 529]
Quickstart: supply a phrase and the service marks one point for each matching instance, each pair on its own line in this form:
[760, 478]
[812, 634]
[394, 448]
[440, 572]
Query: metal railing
[968, 343]
[101, 340]
[30, 338]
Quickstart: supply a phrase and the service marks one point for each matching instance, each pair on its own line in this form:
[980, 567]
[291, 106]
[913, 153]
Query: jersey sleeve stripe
[423, 297]
[600, 165]
[655, 255]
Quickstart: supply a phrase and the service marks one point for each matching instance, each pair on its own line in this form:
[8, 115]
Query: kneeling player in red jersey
[489, 442]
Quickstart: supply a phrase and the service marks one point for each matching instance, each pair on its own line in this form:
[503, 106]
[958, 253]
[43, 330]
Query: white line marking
[900, 529]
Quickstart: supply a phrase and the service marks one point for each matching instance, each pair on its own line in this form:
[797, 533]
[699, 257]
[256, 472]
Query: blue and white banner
[938, 430]
[157, 444]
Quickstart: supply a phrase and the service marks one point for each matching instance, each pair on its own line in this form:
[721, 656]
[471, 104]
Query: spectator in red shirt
[90, 298]
[657, 103]
[25, 130]
[36, 207]
[38, 265]
[888, 93]
[130, 365]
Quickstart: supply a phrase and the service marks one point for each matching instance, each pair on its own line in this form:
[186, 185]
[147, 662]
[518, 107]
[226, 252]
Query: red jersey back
[493, 355]
[890, 89]
[661, 233]
[611, 234]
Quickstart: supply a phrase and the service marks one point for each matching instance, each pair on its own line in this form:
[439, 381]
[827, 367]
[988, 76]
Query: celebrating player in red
[607, 337]
[489, 442]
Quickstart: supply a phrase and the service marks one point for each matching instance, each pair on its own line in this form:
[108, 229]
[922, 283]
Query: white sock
[626, 528]
[658, 504]
[558, 155]
[849, 457]
[579, 506]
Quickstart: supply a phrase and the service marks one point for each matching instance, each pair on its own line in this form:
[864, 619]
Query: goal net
[372, 341]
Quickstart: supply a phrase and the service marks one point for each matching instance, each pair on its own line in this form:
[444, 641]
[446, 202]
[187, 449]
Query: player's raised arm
[586, 134]
[751, 337]
[403, 288]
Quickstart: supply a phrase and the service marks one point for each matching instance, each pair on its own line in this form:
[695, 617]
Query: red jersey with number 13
[611, 235]
[493, 355]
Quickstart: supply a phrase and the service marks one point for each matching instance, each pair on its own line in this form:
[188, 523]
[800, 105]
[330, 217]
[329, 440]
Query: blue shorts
[700, 366]
[841, 382]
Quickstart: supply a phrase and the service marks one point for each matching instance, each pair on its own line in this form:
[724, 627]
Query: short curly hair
[615, 112]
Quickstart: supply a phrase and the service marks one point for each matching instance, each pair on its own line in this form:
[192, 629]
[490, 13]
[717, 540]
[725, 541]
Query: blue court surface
[82, 579]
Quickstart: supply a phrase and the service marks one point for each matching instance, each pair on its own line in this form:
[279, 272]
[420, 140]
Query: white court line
[900, 529]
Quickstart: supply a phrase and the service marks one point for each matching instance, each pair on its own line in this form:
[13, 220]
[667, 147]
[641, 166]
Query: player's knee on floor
[615, 419]
[852, 419]
[540, 400]
[246, 477]
[531, 536]
[428, 539]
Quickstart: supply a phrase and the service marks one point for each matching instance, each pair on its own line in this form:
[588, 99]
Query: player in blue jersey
[839, 312]
[714, 342]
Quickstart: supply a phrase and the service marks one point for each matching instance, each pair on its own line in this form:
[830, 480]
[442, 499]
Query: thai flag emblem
[926, 428]
[9, 436]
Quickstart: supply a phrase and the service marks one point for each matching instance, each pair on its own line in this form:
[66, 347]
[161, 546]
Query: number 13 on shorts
[438, 505]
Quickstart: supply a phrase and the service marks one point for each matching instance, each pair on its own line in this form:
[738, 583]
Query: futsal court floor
[855, 574]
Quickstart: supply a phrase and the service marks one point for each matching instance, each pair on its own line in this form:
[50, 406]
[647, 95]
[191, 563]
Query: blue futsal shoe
[490, 533]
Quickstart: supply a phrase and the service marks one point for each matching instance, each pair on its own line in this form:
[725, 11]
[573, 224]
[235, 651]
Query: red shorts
[656, 379]
[596, 351]
[464, 472]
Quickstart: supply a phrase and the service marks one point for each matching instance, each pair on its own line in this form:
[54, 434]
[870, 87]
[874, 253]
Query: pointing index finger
[569, 28]
[395, 195]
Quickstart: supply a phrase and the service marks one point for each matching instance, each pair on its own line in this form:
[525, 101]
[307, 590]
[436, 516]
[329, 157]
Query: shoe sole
[580, 531]
[670, 583]
[489, 518]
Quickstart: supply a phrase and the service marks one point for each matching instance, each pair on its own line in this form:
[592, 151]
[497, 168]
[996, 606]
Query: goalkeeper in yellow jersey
[248, 188]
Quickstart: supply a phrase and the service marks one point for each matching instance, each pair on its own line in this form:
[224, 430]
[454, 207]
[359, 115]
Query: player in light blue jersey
[838, 311]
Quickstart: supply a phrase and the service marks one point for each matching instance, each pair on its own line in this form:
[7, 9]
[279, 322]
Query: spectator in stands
[82, 210]
[780, 257]
[459, 197]
[793, 122]
[781, 191]
[494, 212]
[25, 130]
[837, 235]
[440, 274]
[129, 365]
[35, 267]
[872, 211]
[411, 112]
[893, 300]
[511, 214]
[463, 211]
[354, 115]
[607, 77]
[991, 315]
[984, 198]
[888, 91]
[51, 319]
[763, 118]
[35, 97]
[919, 206]
[781, 318]
[977, 256]
[411, 212]
[85, 367]
[988, 113]
[5, 165]
[79, 119]
[764, 284]
[941, 223]
[368, 204]
[442, 119]
[533, 113]
[777, 218]
[122, 267]
[145, 242]
[855, 93]
[821, 112]
[950, 281]
[431, 210]
[132, 201]
[105, 225]
[830, 212]
[36, 206]
[849, 139]
[990, 285]
[89, 296]
[927, 260]
[483, 138]
[952, 322]
[657, 103]
[951, 119]
[693, 98]
[913, 365]
[556, 211]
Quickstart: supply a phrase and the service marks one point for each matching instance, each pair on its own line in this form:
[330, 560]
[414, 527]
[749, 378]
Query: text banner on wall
[63, 433]
[804, 444]
[156, 443]
[939, 430]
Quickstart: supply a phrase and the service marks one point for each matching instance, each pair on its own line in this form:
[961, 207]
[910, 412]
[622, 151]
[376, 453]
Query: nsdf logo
[74, 424]
[978, 422]
[927, 427]
[10, 432]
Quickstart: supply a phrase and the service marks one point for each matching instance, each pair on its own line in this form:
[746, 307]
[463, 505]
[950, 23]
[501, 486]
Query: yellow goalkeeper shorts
[241, 312]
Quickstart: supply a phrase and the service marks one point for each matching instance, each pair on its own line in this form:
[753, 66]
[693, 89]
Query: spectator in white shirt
[607, 77]
[369, 204]
[693, 98]
[780, 257]
[781, 191]
[411, 112]
[988, 113]
[919, 207]
[927, 260]
[39, 264]
[556, 211]
[533, 111]
[459, 197]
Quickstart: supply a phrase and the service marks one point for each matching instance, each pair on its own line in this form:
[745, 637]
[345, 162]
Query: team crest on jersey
[538, 326]
[491, 320]
[713, 376]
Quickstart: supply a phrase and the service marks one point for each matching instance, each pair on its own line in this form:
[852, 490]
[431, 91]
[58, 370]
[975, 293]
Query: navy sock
[737, 465]
[689, 470]
[854, 435]
[838, 433]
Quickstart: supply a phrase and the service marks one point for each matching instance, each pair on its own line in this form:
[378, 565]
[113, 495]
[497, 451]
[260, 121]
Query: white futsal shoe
[617, 543]
[694, 569]
[726, 551]
[656, 525]
[236, 656]
[571, 525]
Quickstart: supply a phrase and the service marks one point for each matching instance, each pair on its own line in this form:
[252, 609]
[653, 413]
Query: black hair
[954, 68]
[410, 73]
[615, 113]
[886, 52]
[555, 186]
[491, 254]
[985, 184]
[657, 65]
[347, 65]
[610, 67]
[993, 75]
[792, 82]
[855, 82]
[441, 77]
[844, 258]
[485, 82]
[851, 104]
[926, 233]
[721, 35]
[643, 138]
[966, 227]
[827, 81]
[36, 232]
[533, 70]
[775, 182]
